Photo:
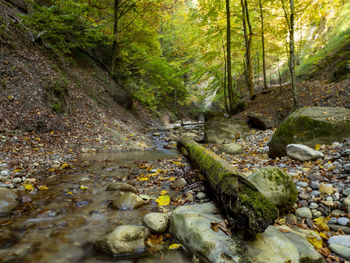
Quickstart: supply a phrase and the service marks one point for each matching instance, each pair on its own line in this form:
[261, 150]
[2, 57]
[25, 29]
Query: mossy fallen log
[244, 205]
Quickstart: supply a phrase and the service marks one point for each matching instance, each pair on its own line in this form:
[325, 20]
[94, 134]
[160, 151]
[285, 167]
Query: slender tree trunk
[279, 76]
[248, 44]
[292, 55]
[257, 69]
[115, 39]
[263, 44]
[228, 43]
[225, 75]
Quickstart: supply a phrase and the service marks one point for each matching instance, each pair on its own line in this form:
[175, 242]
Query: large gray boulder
[192, 226]
[7, 200]
[277, 186]
[220, 129]
[311, 126]
[125, 239]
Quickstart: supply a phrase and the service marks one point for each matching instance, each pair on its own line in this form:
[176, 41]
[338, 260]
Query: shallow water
[60, 224]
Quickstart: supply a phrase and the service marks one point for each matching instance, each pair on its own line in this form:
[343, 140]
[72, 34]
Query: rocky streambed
[155, 207]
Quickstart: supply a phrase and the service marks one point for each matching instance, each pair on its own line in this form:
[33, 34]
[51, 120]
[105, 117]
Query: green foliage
[63, 26]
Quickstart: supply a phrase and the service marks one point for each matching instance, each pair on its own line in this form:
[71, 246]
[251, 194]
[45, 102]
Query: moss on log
[244, 205]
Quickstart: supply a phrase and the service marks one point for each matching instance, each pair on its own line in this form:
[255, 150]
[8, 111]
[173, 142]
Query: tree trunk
[225, 93]
[115, 39]
[292, 55]
[248, 44]
[228, 44]
[244, 205]
[263, 44]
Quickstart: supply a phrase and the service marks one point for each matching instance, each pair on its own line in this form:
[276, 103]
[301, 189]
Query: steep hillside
[53, 105]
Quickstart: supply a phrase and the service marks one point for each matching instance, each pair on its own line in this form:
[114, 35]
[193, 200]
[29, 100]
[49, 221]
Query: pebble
[304, 196]
[304, 212]
[5, 173]
[343, 240]
[343, 221]
[201, 195]
[303, 203]
[333, 220]
[315, 185]
[347, 167]
[341, 250]
[315, 193]
[316, 213]
[336, 196]
[178, 183]
[302, 184]
[17, 180]
[313, 205]
[346, 192]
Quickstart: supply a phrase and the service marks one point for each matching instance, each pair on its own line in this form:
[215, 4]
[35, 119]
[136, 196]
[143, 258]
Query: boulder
[303, 153]
[277, 186]
[121, 187]
[127, 201]
[156, 222]
[231, 148]
[340, 245]
[125, 239]
[221, 129]
[7, 200]
[192, 226]
[311, 126]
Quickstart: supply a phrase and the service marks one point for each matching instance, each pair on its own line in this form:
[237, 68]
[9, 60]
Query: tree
[228, 44]
[290, 22]
[263, 44]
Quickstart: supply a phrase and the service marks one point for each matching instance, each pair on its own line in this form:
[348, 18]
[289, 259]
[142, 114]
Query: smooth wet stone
[315, 185]
[346, 203]
[201, 195]
[341, 251]
[346, 192]
[343, 240]
[125, 239]
[303, 212]
[122, 187]
[332, 220]
[315, 193]
[191, 225]
[302, 184]
[127, 201]
[156, 222]
[313, 205]
[303, 153]
[178, 183]
[345, 229]
[232, 148]
[343, 221]
[7, 200]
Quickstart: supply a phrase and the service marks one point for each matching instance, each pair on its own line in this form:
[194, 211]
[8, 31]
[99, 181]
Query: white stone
[302, 152]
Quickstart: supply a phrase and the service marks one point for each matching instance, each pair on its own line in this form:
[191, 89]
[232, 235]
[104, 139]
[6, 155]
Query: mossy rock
[277, 186]
[311, 126]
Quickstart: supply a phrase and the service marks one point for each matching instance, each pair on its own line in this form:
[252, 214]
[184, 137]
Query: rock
[259, 121]
[232, 148]
[343, 221]
[156, 222]
[178, 183]
[346, 203]
[311, 126]
[313, 205]
[302, 184]
[201, 196]
[276, 186]
[303, 153]
[7, 200]
[5, 173]
[291, 219]
[125, 239]
[341, 251]
[220, 129]
[345, 229]
[191, 225]
[122, 187]
[346, 192]
[343, 240]
[156, 134]
[347, 168]
[315, 193]
[127, 201]
[303, 212]
[189, 135]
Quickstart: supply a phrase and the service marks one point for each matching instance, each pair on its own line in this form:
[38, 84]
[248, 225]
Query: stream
[61, 223]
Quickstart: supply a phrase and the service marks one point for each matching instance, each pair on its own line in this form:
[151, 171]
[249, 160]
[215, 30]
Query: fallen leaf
[163, 200]
[29, 187]
[322, 223]
[174, 246]
[83, 187]
[43, 187]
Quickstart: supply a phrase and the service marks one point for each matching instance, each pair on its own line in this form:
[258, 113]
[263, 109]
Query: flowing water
[60, 224]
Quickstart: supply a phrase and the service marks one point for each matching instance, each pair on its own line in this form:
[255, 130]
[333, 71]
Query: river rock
[220, 129]
[303, 153]
[346, 203]
[125, 239]
[276, 186]
[342, 251]
[178, 183]
[311, 126]
[156, 222]
[343, 240]
[7, 200]
[127, 201]
[232, 148]
[191, 225]
[303, 212]
[122, 187]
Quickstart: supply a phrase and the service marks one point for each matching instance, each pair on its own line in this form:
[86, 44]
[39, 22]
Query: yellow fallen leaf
[163, 200]
[83, 187]
[174, 246]
[172, 179]
[163, 192]
[65, 165]
[29, 187]
[317, 243]
[43, 187]
[141, 178]
[70, 193]
[17, 170]
[322, 223]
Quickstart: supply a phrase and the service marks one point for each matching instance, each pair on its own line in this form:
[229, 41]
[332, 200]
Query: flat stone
[347, 167]
[7, 200]
[313, 205]
[303, 212]
[232, 148]
[343, 221]
[346, 191]
[302, 184]
[127, 201]
[125, 239]
[122, 187]
[315, 185]
[178, 183]
[341, 251]
[345, 229]
[346, 203]
[302, 152]
[156, 222]
[343, 240]
[315, 193]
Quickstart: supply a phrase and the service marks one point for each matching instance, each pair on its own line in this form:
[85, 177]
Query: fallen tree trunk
[244, 205]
